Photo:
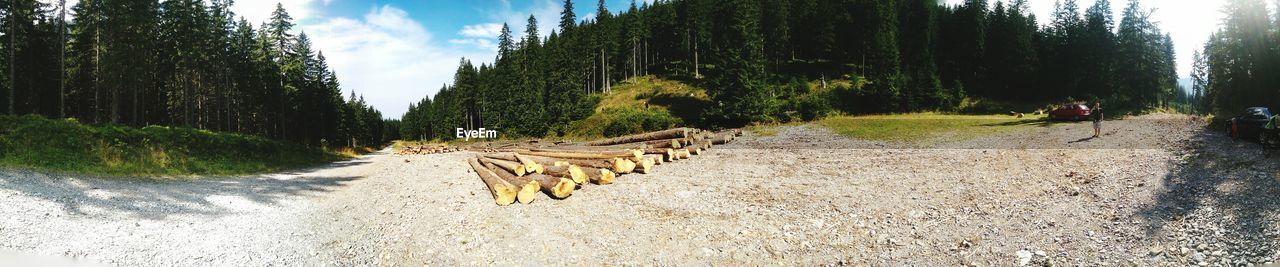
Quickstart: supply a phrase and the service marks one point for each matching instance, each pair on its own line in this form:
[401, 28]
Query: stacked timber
[516, 171]
[427, 149]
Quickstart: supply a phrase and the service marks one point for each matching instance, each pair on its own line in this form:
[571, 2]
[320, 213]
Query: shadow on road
[1232, 184]
[157, 199]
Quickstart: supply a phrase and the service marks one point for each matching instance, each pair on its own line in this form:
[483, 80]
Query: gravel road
[1154, 190]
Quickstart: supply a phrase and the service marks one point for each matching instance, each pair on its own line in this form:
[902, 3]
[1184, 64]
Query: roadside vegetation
[924, 127]
[33, 142]
[641, 104]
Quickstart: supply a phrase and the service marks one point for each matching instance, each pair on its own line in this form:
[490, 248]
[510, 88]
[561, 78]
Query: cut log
[665, 143]
[511, 166]
[556, 187]
[682, 153]
[645, 165]
[528, 187]
[666, 153]
[571, 154]
[721, 139]
[614, 164]
[599, 176]
[572, 172]
[666, 134]
[656, 158]
[696, 150]
[529, 165]
[504, 193]
[635, 153]
[623, 166]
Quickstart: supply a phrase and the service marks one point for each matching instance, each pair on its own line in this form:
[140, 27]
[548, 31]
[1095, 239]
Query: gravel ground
[1154, 190]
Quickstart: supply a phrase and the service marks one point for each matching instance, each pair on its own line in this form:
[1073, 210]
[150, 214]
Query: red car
[1073, 112]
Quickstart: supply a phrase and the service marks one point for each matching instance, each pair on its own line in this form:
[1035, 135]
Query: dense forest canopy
[757, 58]
[188, 63]
[1239, 66]
[194, 63]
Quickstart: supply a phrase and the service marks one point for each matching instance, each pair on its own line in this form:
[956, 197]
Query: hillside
[641, 104]
[33, 142]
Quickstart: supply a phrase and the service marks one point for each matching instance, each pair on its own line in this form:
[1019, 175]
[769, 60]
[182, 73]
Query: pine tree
[738, 94]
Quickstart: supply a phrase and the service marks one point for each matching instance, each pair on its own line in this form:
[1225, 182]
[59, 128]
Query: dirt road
[1154, 190]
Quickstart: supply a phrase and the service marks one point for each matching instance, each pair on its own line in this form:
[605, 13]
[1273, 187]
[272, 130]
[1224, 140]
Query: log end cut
[577, 174]
[528, 192]
[606, 177]
[563, 188]
[646, 166]
[504, 195]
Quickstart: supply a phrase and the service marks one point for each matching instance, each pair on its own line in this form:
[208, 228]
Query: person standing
[1097, 118]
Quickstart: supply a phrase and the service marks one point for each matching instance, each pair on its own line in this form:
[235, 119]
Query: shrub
[813, 105]
[626, 121]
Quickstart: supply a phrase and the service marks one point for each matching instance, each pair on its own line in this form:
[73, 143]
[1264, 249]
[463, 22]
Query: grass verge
[67, 146]
[923, 127]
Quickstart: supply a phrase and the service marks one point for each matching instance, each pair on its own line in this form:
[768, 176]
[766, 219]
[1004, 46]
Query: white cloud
[484, 36]
[486, 30]
[385, 56]
[259, 11]
[484, 44]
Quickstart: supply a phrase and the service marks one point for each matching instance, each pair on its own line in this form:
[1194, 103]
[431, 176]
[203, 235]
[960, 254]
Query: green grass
[923, 127]
[641, 103]
[67, 146]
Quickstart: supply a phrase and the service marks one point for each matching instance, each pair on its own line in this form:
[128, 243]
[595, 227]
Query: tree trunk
[13, 46]
[650, 136]
[599, 176]
[568, 171]
[529, 165]
[581, 154]
[556, 187]
[528, 187]
[666, 143]
[510, 166]
[667, 154]
[617, 165]
[504, 193]
[645, 165]
[62, 62]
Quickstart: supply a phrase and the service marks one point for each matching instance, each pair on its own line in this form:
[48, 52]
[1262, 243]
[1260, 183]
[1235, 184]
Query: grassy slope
[922, 127]
[648, 92]
[33, 142]
[686, 102]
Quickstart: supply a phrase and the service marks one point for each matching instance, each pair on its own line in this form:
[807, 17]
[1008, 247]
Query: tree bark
[650, 136]
[571, 154]
[665, 143]
[504, 193]
[510, 166]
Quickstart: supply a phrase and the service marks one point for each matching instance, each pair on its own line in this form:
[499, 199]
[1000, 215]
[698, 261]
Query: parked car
[1073, 112]
[1256, 124]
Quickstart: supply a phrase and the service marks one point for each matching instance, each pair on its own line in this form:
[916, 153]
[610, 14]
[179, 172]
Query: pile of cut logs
[516, 172]
[427, 149]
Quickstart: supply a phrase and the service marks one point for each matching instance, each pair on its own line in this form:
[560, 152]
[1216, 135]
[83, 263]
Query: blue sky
[396, 52]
